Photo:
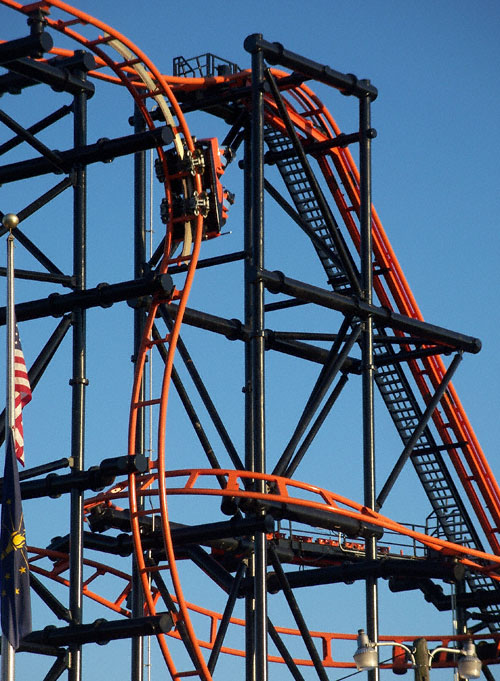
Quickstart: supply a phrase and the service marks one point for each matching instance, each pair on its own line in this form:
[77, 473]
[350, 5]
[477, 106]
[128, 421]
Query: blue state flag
[14, 570]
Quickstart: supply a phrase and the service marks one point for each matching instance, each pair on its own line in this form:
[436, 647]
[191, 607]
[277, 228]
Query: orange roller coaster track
[330, 200]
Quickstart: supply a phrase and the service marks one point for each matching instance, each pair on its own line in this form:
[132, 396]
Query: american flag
[22, 395]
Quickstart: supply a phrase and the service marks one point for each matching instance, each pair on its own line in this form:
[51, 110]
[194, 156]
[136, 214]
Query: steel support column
[368, 370]
[249, 443]
[78, 381]
[137, 649]
[257, 347]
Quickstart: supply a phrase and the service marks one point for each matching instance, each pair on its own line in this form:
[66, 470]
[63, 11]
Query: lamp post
[468, 663]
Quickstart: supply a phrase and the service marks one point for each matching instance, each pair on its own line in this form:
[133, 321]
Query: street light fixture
[366, 658]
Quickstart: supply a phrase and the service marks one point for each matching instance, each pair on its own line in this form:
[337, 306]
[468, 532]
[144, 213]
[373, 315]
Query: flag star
[22, 570]
[17, 592]
[7, 575]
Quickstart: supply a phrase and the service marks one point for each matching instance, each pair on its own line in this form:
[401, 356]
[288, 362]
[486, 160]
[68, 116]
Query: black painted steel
[64, 79]
[336, 360]
[284, 584]
[277, 282]
[103, 151]
[368, 367]
[101, 631]
[95, 478]
[61, 611]
[226, 616]
[410, 445]
[31, 46]
[37, 127]
[257, 350]
[275, 53]
[205, 396]
[103, 295]
[78, 380]
[137, 596]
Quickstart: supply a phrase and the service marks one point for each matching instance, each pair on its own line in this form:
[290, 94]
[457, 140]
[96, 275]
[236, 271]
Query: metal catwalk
[204, 533]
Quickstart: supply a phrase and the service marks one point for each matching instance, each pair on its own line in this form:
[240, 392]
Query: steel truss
[246, 545]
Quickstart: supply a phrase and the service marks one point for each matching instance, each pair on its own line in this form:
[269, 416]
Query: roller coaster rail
[267, 535]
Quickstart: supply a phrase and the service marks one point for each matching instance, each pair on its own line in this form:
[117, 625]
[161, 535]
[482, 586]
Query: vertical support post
[421, 660]
[250, 674]
[137, 647]
[78, 381]
[256, 346]
[365, 219]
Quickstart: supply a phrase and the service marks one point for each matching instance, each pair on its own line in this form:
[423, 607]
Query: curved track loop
[206, 482]
[133, 70]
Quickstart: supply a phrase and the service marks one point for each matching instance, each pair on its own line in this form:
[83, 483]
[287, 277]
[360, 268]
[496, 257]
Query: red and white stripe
[22, 395]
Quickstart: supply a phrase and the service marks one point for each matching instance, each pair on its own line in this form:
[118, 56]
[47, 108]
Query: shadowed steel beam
[226, 617]
[297, 615]
[316, 426]
[327, 375]
[277, 282]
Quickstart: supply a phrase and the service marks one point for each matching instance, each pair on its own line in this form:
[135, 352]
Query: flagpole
[10, 221]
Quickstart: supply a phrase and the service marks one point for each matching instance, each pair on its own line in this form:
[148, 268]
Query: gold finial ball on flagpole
[10, 221]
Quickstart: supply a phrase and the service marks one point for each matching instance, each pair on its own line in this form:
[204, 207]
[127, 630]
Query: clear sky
[435, 187]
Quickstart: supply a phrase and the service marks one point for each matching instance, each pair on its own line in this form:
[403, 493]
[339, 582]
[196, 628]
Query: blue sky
[435, 187]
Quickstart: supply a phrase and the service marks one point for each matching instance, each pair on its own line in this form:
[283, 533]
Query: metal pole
[365, 220]
[137, 648]
[249, 443]
[8, 653]
[257, 349]
[78, 381]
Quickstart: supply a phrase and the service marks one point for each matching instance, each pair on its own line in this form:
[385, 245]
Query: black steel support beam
[233, 329]
[78, 380]
[422, 424]
[104, 151]
[101, 631]
[95, 478]
[255, 454]
[140, 313]
[329, 371]
[103, 295]
[304, 226]
[61, 78]
[34, 45]
[351, 572]
[275, 53]
[277, 282]
[281, 578]
[301, 451]
[368, 367]
[49, 599]
[204, 395]
[36, 127]
[316, 517]
[226, 617]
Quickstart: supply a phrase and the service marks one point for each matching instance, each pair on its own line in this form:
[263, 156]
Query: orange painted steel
[314, 123]
[206, 482]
